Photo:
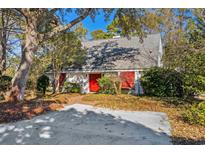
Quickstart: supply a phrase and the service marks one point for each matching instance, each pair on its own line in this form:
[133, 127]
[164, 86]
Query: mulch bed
[11, 112]
[34, 106]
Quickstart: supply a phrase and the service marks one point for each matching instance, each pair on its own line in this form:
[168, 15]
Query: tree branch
[62, 28]
[53, 10]
[23, 13]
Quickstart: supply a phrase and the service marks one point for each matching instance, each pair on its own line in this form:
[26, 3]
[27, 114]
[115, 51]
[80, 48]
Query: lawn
[182, 133]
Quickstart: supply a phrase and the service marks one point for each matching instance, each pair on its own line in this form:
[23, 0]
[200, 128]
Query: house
[127, 58]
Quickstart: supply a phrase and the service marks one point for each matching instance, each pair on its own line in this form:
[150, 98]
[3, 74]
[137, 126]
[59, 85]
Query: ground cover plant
[70, 87]
[195, 114]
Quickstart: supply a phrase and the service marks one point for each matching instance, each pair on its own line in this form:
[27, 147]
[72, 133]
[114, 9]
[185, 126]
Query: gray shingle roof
[120, 54]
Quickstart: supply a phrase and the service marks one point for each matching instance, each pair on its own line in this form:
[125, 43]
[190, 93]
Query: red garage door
[128, 79]
[93, 83]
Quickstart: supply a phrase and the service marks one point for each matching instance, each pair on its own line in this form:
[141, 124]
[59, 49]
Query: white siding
[80, 78]
[160, 53]
[138, 87]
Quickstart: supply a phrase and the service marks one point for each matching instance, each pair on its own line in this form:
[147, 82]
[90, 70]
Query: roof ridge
[123, 37]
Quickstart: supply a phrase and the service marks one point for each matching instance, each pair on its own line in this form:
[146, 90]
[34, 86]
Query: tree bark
[21, 76]
[3, 57]
[54, 73]
[3, 43]
[29, 46]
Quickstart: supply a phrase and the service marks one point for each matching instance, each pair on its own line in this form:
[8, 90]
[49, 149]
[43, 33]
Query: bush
[196, 114]
[106, 85]
[162, 82]
[5, 83]
[42, 84]
[194, 84]
[2, 97]
[72, 87]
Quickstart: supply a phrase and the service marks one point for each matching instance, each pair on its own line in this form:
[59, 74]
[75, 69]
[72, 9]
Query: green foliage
[100, 34]
[42, 84]
[106, 85]
[112, 29]
[80, 31]
[162, 82]
[194, 84]
[2, 97]
[5, 82]
[196, 114]
[194, 74]
[72, 87]
[67, 50]
[12, 64]
[136, 22]
[194, 63]
[40, 63]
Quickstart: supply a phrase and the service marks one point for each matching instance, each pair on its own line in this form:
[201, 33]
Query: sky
[99, 22]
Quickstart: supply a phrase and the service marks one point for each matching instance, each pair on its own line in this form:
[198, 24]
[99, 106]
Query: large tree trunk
[19, 80]
[3, 43]
[21, 76]
[2, 58]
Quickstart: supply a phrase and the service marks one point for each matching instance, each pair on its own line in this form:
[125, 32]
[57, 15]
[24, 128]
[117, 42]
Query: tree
[39, 25]
[41, 62]
[80, 31]
[184, 46]
[100, 34]
[184, 36]
[7, 30]
[66, 50]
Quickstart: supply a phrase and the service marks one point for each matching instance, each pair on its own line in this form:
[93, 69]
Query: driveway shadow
[79, 127]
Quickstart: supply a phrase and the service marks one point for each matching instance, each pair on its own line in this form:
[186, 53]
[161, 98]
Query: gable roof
[120, 54]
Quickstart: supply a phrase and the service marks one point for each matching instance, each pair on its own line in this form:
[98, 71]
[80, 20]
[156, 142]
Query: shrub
[2, 97]
[106, 85]
[71, 87]
[5, 82]
[194, 84]
[42, 84]
[196, 114]
[162, 82]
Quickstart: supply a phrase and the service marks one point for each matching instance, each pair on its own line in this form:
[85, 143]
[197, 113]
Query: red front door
[93, 83]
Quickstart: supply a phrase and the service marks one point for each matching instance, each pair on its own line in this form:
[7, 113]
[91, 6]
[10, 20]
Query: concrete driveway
[84, 124]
